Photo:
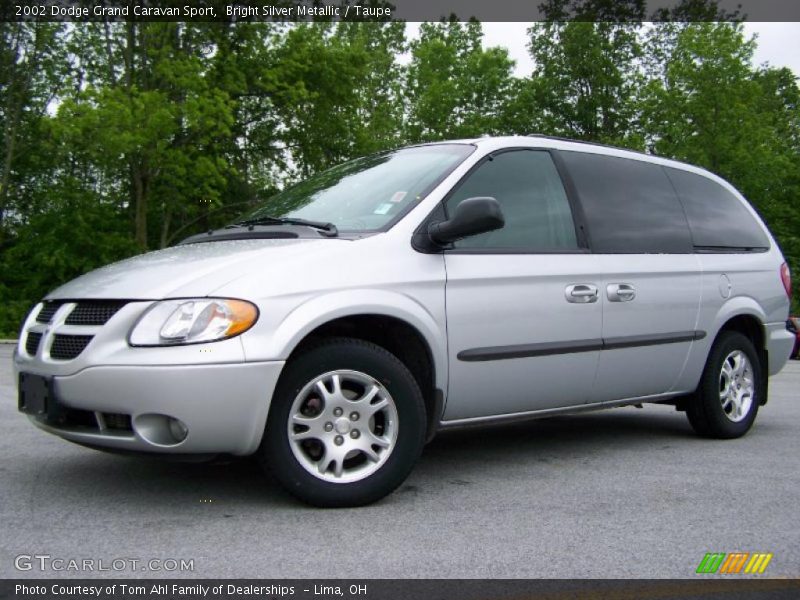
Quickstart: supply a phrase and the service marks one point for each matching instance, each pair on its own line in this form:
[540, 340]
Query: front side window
[367, 194]
[535, 206]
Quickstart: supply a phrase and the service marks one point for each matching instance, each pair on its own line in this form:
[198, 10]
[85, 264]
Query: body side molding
[550, 349]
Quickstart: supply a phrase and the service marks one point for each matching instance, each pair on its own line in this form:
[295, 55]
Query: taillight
[786, 278]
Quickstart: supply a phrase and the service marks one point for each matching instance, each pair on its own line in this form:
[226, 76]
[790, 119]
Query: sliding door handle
[620, 292]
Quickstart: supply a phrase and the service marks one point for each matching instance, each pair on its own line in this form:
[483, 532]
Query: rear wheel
[346, 426]
[726, 402]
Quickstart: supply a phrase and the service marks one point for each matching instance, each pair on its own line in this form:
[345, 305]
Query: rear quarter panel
[755, 289]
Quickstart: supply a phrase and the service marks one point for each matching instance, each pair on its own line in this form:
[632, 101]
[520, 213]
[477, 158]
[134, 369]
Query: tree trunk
[109, 53]
[130, 30]
[140, 193]
[8, 155]
[165, 227]
[16, 91]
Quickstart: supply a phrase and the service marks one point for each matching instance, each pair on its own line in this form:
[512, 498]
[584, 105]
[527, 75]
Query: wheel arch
[744, 315]
[393, 321]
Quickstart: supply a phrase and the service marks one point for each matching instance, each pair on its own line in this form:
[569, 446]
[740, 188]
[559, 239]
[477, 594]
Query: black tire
[705, 410]
[334, 354]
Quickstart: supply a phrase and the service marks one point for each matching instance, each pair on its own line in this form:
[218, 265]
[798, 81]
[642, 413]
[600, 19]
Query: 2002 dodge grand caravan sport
[337, 327]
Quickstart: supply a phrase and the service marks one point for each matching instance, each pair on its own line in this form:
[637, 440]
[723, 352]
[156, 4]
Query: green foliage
[586, 83]
[456, 88]
[81, 233]
[118, 137]
[333, 101]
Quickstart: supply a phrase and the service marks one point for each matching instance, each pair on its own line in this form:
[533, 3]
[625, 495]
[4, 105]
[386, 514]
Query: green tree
[587, 74]
[456, 88]
[244, 66]
[154, 123]
[32, 66]
[377, 114]
[780, 104]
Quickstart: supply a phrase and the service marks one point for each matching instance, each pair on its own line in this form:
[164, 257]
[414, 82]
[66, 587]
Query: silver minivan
[340, 325]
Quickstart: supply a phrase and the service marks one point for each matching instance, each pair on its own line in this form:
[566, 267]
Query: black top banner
[405, 10]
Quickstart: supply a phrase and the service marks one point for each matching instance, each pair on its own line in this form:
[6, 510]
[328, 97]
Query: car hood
[188, 270]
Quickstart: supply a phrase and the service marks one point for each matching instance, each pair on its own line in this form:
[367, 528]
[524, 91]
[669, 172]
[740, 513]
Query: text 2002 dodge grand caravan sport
[336, 328]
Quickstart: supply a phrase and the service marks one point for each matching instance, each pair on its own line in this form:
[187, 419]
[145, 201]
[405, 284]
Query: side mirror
[471, 217]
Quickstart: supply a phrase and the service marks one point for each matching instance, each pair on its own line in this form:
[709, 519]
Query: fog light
[178, 429]
[160, 430]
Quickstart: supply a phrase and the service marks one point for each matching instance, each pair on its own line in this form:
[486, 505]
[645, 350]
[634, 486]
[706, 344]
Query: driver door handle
[581, 293]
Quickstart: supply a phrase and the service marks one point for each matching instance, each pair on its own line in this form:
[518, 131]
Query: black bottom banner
[397, 589]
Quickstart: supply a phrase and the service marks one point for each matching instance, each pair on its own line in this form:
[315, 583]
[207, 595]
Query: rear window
[717, 218]
[630, 205]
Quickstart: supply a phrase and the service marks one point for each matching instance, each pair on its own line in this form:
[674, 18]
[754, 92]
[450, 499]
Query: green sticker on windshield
[383, 209]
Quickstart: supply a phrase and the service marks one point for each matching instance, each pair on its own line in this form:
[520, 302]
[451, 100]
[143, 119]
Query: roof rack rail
[600, 144]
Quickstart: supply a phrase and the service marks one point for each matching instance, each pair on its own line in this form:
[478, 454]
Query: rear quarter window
[630, 205]
[718, 220]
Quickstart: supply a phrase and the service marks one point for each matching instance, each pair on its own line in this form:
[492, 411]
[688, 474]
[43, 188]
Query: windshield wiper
[327, 229]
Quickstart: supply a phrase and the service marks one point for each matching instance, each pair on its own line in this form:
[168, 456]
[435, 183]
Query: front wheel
[346, 426]
[726, 402]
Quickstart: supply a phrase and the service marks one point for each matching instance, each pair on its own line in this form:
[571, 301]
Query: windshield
[366, 194]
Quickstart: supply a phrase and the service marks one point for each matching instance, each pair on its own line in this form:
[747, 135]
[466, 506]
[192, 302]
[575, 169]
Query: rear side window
[718, 220]
[535, 206]
[630, 205]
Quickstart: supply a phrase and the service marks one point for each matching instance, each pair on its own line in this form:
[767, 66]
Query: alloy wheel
[736, 386]
[342, 426]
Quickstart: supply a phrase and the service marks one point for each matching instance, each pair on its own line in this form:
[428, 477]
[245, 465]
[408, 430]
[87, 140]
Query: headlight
[192, 321]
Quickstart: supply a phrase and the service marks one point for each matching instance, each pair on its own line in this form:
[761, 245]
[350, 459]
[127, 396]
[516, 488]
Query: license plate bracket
[35, 394]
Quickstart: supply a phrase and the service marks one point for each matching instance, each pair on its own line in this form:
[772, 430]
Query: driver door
[523, 310]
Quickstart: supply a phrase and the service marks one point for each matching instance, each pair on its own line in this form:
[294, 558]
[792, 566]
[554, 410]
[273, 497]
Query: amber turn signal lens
[242, 316]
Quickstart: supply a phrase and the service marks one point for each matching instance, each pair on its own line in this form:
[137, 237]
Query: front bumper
[224, 406]
[122, 398]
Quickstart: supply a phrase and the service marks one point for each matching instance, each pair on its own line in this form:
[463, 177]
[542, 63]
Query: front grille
[117, 421]
[90, 314]
[67, 347]
[47, 311]
[32, 342]
[94, 312]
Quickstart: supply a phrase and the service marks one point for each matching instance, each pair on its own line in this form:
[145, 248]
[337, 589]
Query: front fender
[319, 310]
